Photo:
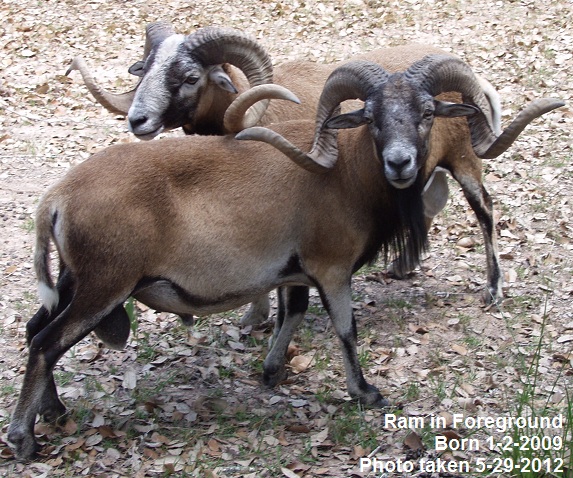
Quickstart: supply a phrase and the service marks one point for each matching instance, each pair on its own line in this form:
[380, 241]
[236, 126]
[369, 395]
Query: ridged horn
[235, 114]
[155, 33]
[533, 110]
[441, 73]
[212, 46]
[117, 103]
[304, 160]
[350, 81]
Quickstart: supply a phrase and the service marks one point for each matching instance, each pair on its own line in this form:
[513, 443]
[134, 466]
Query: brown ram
[187, 230]
[164, 99]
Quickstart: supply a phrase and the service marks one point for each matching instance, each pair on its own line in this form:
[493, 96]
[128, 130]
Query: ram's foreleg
[338, 303]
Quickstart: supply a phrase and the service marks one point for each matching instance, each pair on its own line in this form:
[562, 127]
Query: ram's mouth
[402, 183]
[150, 135]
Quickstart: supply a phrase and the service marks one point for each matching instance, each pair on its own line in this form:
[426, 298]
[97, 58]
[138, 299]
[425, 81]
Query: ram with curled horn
[186, 81]
[189, 81]
[188, 230]
[306, 79]
[384, 163]
[449, 146]
[119, 103]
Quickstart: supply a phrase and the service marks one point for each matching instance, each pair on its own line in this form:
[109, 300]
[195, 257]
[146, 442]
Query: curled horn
[119, 103]
[353, 80]
[155, 33]
[440, 73]
[234, 116]
[533, 110]
[212, 46]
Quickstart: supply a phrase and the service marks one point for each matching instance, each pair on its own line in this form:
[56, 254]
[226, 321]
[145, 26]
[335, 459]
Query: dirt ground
[179, 402]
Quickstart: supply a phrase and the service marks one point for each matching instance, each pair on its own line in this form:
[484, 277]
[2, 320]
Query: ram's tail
[45, 220]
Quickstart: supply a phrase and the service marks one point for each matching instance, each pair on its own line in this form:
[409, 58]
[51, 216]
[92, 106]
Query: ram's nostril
[137, 121]
[399, 163]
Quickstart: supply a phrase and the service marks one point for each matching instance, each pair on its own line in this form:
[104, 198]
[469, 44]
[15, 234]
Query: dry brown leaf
[466, 243]
[459, 349]
[300, 363]
[70, 427]
[319, 438]
[75, 445]
[282, 439]
[298, 428]
[289, 473]
[359, 452]
[129, 379]
[468, 388]
[413, 441]
[213, 445]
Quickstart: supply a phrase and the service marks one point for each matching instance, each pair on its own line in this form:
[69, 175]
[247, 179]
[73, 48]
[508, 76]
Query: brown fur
[212, 218]
[450, 145]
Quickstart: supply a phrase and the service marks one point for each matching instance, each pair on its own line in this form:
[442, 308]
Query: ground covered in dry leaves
[189, 402]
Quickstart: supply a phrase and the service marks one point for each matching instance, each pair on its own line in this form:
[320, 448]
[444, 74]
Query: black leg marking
[482, 205]
[339, 306]
[293, 303]
[39, 394]
[187, 319]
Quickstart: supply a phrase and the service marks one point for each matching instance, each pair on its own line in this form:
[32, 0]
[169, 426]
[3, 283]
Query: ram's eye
[191, 79]
[428, 113]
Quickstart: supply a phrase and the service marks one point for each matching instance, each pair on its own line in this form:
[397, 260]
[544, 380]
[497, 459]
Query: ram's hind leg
[43, 317]
[293, 303]
[337, 301]
[39, 394]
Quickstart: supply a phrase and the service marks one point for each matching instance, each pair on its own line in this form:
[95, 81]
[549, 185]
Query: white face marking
[152, 97]
[165, 54]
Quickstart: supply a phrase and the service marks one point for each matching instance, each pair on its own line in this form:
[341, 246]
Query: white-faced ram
[187, 230]
[187, 81]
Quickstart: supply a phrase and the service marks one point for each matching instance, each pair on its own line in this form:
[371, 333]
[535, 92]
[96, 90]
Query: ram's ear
[137, 68]
[452, 110]
[218, 76]
[354, 119]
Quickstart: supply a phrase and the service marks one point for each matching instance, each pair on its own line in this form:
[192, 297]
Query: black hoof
[490, 297]
[372, 398]
[187, 319]
[24, 446]
[380, 402]
[272, 379]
